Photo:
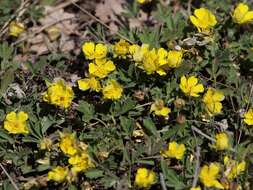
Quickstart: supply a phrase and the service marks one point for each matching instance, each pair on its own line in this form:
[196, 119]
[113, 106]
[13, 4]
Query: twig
[203, 134]
[197, 166]
[189, 7]
[99, 21]
[9, 177]
[162, 182]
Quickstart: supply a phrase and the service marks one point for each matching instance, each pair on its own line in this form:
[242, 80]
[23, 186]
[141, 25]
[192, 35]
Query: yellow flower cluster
[100, 68]
[158, 61]
[204, 19]
[174, 150]
[209, 174]
[15, 123]
[233, 167]
[78, 158]
[59, 94]
[145, 178]
[159, 109]
[212, 98]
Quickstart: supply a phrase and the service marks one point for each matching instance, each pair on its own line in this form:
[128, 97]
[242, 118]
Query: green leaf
[94, 173]
[172, 178]
[6, 137]
[6, 80]
[149, 127]
[87, 110]
[127, 124]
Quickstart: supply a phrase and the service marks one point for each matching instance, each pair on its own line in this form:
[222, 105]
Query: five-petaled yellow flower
[222, 141]
[174, 150]
[15, 123]
[190, 86]
[233, 167]
[241, 14]
[159, 109]
[16, 28]
[58, 174]
[144, 178]
[92, 51]
[113, 90]
[212, 99]
[209, 174]
[80, 162]
[101, 68]
[203, 19]
[89, 83]
[121, 48]
[59, 94]
[248, 117]
[68, 143]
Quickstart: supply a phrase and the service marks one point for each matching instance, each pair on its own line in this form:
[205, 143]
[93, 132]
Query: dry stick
[18, 13]
[98, 20]
[9, 177]
[162, 182]
[197, 166]
[203, 134]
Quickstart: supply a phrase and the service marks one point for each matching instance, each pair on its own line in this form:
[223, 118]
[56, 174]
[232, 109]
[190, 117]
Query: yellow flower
[16, 123]
[80, 162]
[248, 117]
[145, 178]
[174, 58]
[137, 52]
[196, 188]
[16, 28]
[242, 14]
[89, 83]
[212, 99]
[174, 150]
[92, 51]
[58, 174]
[233, 167]
[68, 143]
[59, 94]
[121, 48]
[190, 86]
[155, 61]
[222, 141]
[209, 174]
[112, 90]
[159, 108]
[101, 68]
[150, 62]
[203, 19]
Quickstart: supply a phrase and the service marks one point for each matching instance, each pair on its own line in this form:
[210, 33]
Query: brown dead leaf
[108, 12]
[58, 19]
